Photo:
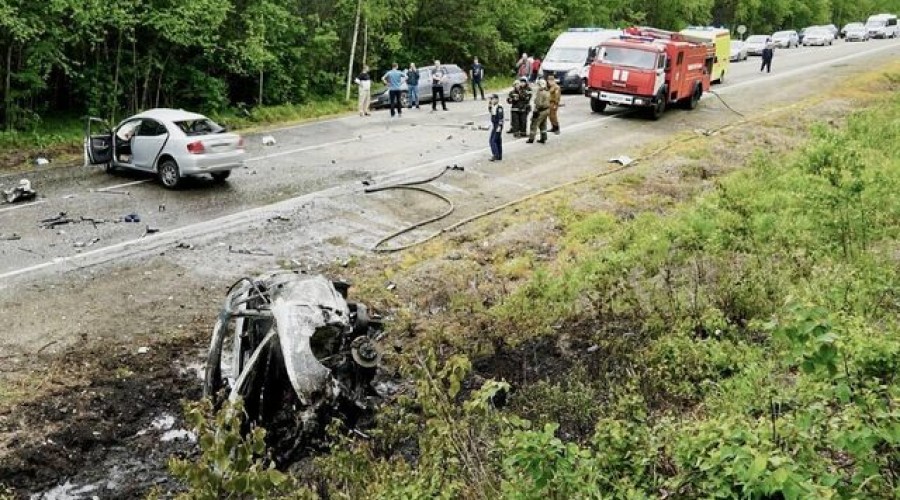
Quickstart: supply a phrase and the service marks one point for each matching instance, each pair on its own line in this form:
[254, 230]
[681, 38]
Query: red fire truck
[650, 68]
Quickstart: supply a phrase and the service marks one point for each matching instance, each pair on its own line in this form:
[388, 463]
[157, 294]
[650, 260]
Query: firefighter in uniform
[555, 97]
[518, 100]
[541, 111]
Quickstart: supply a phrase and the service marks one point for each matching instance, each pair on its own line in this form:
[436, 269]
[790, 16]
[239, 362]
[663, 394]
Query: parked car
[857, 33]
[738, 51]
[756, 43]
[818, 36]
[454, 87]
[833, 29]
[843, 33]
[171, 143]
[786, 39]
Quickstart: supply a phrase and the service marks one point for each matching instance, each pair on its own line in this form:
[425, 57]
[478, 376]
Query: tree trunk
[353, 48]
[261, 75]
[115, 92]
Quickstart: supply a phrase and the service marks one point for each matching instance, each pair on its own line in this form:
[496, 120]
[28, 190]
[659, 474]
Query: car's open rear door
[98, 141]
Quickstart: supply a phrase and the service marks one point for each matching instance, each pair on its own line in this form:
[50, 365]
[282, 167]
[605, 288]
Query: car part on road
[300, 353]
[20, 192]
[57, 220]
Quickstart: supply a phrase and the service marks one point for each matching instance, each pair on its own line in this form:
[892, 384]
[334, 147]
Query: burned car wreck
[300, 354]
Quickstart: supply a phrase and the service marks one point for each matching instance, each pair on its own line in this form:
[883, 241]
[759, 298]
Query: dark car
[454, 87]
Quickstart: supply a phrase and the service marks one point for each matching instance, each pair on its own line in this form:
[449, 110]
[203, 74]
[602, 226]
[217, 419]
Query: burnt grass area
[98, 430]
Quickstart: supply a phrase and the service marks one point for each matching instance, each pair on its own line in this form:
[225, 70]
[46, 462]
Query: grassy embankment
[720, 322]
[60, 138]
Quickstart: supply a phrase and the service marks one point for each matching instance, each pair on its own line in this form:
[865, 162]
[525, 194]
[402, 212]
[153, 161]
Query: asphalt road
[326, 161]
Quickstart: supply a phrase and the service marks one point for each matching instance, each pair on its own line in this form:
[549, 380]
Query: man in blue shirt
[394, 79]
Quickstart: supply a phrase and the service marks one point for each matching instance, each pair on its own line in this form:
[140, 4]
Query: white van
[570, 53]
[882, 26]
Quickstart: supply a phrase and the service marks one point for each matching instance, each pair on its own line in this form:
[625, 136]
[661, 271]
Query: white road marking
[222, 223]
[316, 146]
[25, 205]
[117, 186]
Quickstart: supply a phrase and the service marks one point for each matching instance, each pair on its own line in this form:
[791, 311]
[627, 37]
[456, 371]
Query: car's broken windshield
[628, 57]
[201, 126]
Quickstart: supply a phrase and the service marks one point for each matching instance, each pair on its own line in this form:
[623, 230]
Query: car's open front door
[98, 141]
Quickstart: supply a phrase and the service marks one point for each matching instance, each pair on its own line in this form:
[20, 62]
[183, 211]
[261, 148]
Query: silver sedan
[170, 143]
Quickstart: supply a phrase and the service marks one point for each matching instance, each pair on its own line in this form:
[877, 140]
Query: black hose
[713, 92]
[412, 186]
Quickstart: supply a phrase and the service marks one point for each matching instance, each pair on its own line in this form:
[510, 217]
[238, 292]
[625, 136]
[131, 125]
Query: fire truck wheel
[691, 102]
[597, 106]
[660, 107]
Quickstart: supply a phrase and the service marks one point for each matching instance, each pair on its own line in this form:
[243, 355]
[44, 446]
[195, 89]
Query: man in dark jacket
[412, 86]
[477, 73]
[519, 99]
[496, 138]
[767, 54]
[438, 76]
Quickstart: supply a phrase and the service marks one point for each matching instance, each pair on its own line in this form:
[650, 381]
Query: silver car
[818, 36]
[786, 39]
[171, 143]
[856, 32]
[454, 87]
[756, 43]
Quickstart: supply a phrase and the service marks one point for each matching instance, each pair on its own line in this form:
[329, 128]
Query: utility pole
[353, 47]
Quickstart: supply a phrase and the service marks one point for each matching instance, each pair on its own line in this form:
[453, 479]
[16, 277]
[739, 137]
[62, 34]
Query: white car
[738, 51]
[756, 43]
[170, 143]
[818, 36]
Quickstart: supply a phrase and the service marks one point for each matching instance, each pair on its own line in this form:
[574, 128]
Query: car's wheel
[220, 176]
[597, 106]
[168, 174]
[457, 94]
[404, 99]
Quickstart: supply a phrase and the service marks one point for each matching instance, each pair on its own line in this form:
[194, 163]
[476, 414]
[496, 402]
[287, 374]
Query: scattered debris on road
[10, 237]
[622, 160]
[184, 246]
[111, 191]
[249, 251]
[150, 230]
[57, 220]
[19, 193]
[131, 218]
[278, 218]
[268, 140]
[40, 161]
[82, 244]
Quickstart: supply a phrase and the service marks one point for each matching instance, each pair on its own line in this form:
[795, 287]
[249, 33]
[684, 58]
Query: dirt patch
[121, 414]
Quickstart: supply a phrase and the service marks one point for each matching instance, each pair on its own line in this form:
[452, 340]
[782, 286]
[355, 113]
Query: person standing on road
[535, 68]
[529, 63]
[522, 66]
[437, 86]
[519, 100]
[364, 82]
[767, 54]
[555, 97]
[496, 138]
[541, 110]
[477, 73]
[394, 80]
[412, 83]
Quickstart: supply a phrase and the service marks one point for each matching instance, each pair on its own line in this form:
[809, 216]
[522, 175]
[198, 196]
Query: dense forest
[112, 57]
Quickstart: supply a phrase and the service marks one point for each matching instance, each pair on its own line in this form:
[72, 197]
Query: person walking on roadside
[767, 54]
[496, 138]
[412, 83]
[522, 66]
[364, 82]
[529, 63]
[541, 110]
[437, 85]
[394, 80]
[519, 99]
[535, 68]
[477, 73]
[555, 97]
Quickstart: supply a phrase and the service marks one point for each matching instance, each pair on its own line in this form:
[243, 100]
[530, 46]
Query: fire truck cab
[651, 69]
